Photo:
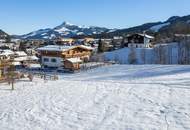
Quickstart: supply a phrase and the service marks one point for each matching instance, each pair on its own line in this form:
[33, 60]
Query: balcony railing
[75, 55]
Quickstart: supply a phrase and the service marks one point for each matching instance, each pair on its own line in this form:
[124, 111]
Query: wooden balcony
[76, 55]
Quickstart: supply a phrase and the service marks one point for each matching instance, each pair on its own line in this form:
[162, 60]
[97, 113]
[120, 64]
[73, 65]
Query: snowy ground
[119, 97]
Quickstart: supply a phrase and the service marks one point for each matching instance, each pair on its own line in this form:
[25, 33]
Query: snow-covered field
[167, 54]
[119, 97]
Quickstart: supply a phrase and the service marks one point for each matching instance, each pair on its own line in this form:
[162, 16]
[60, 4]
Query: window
[46, 60]
[53, 60]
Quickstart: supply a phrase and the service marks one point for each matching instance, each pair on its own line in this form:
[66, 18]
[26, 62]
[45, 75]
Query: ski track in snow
[119, 97]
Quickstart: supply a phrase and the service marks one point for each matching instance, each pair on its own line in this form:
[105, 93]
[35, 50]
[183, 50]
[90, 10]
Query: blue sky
[23, 16]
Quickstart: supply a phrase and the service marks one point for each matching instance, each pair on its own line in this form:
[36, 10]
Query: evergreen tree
[11, 76]
[8, 39]
[22, 46]
[100, 46]
[122, 43]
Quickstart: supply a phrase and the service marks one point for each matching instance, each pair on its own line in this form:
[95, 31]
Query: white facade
[147, 42]
[52, 61]
[137, 45]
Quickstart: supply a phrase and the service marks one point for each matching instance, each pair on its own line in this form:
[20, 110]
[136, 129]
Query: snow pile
[138, 97]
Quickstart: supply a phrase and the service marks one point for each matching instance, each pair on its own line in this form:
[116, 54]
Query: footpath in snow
[118, 97]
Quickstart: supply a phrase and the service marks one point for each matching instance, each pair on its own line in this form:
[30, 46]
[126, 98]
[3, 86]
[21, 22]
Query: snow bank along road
[119, 97]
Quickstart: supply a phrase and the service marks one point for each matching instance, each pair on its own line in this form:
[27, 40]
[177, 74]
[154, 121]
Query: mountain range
[165, 29]
[3, 35]
[160, 30]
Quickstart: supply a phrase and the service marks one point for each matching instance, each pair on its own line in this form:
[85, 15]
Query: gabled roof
[147, 36]
[86, 47]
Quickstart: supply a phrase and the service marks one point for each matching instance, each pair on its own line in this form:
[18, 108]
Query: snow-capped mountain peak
[64, 24]
[65, 29]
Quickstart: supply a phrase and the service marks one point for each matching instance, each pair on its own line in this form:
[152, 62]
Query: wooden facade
[70, 53]
[71, 65]
[65, 41]
[77, 52]
[59, 55]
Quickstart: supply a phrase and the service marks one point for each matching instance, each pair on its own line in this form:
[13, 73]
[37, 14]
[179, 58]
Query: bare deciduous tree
[132, 58]
[143, 55]
[11, 75]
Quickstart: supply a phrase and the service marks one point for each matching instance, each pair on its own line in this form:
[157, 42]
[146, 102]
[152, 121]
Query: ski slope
[118, 97]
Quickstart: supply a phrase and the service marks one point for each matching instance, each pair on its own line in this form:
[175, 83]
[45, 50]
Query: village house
[22, 59]
[118, 42]
[138, 41]
[107, 44]
[88, 40]
[18, 58]
[54, 55]
[31, 51]
[31, 44]
[65, 41]
[6, 54]
[2, 40]
[72, 64]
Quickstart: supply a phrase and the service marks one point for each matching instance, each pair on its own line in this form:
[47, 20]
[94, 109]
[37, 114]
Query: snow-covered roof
[86, 47]
[74, 60]
[20, 53]
[147, 36]
[25, 58]
[35, 65]
[33, 58]
[61, 48]
[19, 59]
[55, 48]
[16, 63]
[6, 53]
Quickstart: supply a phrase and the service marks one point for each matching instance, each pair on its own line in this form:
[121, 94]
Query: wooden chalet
[138, 41]
[54, 56]
[64, 41]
